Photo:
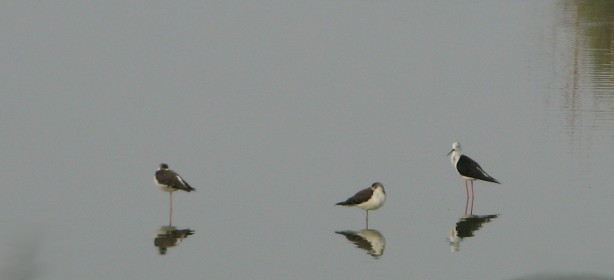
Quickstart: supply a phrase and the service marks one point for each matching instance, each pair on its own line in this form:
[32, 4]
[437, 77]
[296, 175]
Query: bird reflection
[170, 236]
[369, 240]
[466, 226]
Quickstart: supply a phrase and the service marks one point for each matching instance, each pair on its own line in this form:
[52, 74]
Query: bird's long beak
[450, 152]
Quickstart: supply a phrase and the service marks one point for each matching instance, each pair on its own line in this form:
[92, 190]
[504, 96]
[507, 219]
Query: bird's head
[378, 185]
[455, 147]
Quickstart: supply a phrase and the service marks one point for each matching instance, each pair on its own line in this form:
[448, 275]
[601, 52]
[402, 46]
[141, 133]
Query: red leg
[170, 214]
[467, 201]
[467, 188]
[472, 196]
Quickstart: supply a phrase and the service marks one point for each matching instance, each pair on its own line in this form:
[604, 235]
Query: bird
[169, 181]
[368, 199]
[468, 168]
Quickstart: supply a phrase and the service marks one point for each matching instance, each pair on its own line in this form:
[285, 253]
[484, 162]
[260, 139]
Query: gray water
[274, 111]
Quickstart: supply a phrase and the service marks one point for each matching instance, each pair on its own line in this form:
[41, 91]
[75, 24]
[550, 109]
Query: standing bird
[368, 199]
[468, 169]
[169, 181]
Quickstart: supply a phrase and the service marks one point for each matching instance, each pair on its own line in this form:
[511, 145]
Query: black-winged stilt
[368, 199]
[169, 181]
[469, 169]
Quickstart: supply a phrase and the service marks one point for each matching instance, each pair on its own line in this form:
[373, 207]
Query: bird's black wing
[173, 180]
[358, 198]
[470, 168]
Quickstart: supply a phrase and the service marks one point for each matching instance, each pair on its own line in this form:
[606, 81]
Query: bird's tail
[345, 203]
[188, 188]
[491, 179]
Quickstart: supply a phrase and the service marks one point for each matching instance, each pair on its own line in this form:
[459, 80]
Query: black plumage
[171, 179]
[358, 198]
[468, 167]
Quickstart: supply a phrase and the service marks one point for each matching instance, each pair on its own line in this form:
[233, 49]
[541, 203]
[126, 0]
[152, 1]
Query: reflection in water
[169, 236]
[587, 48]
[465, 227]
[369, 240]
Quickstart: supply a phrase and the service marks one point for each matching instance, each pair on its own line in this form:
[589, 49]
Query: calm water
[276, 111]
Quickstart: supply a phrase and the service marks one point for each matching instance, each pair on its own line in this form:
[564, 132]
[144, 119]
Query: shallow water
[276, 111]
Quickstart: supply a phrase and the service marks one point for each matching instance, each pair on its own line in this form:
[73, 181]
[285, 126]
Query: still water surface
[276, 111]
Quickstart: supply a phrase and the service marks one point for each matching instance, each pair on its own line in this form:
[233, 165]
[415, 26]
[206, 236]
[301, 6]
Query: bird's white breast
[376, 201]
[163, 187]
[454, 158]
